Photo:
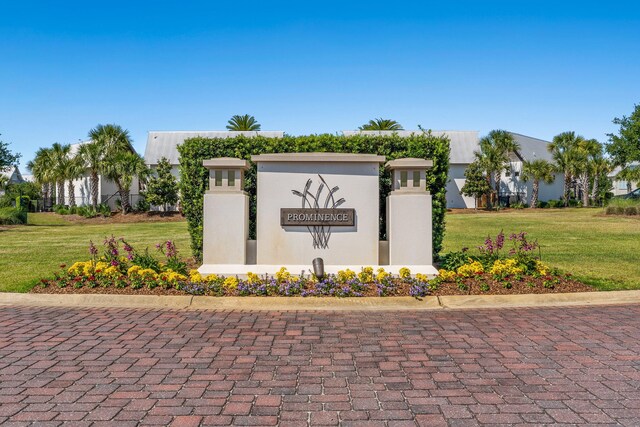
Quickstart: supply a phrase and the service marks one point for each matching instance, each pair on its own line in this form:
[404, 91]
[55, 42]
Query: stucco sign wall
[330, 204]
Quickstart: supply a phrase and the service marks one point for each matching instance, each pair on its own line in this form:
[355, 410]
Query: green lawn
[27, 253]
[601, 250]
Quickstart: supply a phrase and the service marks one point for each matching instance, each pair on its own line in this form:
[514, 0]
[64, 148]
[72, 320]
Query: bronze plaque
[314, 217]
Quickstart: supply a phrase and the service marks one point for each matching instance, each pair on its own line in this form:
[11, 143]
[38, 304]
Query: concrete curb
[323, 304]
[540, 300]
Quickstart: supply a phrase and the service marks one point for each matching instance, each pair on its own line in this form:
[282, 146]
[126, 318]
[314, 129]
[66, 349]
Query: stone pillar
[226, 212]
[409, 227]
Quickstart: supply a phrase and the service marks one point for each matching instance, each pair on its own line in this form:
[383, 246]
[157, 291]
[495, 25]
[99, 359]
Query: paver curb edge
[320, 303]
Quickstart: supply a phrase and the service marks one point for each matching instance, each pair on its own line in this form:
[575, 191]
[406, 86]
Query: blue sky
[532, 67]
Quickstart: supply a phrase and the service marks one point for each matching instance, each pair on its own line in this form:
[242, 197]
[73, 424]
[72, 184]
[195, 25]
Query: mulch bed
[119, 218]
[528, 286]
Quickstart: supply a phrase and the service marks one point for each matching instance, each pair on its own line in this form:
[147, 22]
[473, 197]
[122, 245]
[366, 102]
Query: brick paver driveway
[480, 367]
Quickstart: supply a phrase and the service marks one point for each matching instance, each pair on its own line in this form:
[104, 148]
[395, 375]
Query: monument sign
[316, 205]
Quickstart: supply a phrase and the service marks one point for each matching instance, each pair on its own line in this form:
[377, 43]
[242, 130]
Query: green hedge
[194, 177]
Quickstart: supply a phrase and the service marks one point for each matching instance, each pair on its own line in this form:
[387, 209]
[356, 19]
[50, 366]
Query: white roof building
[165, 143]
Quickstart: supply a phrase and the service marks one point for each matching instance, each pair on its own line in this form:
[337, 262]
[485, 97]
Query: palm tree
[243, 123]
[495, 149]
[586, 151]
[563, 149]
[600, 167]
[73, 169]
[58, 165]
[42, 171]
[537, 170]
[121, 168]
[113, 138]
[381, 124]
[115, 142]
[92, 155]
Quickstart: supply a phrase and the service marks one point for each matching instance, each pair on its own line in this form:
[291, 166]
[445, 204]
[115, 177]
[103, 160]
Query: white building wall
[82, 191]
[620, 187]
[512, 184]
[455, 182]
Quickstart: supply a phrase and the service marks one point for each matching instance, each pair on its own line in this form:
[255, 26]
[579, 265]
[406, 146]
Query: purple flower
[500, 240]
[92, 249]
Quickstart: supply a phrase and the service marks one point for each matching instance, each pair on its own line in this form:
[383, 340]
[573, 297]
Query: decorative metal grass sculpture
[319, 233]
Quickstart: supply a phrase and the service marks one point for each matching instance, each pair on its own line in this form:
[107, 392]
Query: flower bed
[120, 269]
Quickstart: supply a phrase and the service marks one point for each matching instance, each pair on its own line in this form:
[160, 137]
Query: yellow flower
[382, 275]
[211, 278]
[447, 275]
[101, 266]
[172, 276]
[405, 273]
[366, 275]
[110, 271]
[77, 268]
[542, 268]
[346, 275]
[147, 274]
[195, 276]
[505, 267]
[253, 278]
[133, 270]
[230, 283]
[282, 275]
[422, 277]
[470, 269]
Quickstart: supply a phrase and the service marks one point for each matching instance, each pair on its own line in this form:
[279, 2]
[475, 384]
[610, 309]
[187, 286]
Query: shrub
[621, 206]
[555, 204]
[12, 216]
[519, 205]
[453, 260]
[194, 177]
[61, 209]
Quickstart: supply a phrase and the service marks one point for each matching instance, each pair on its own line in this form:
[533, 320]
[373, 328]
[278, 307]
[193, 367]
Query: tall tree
[600, 168]
[120, 162]
[73, 169]
[381, 124]
[495, 149]
[243, 123]
[121, 168]
[586, 151]
[475, 184]
[162, 189]
[43, 173]
[59, 158]
[112, 137]
[537, 170]
[92, 155]
[7, 158]
[624, 147]
[564, 148]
